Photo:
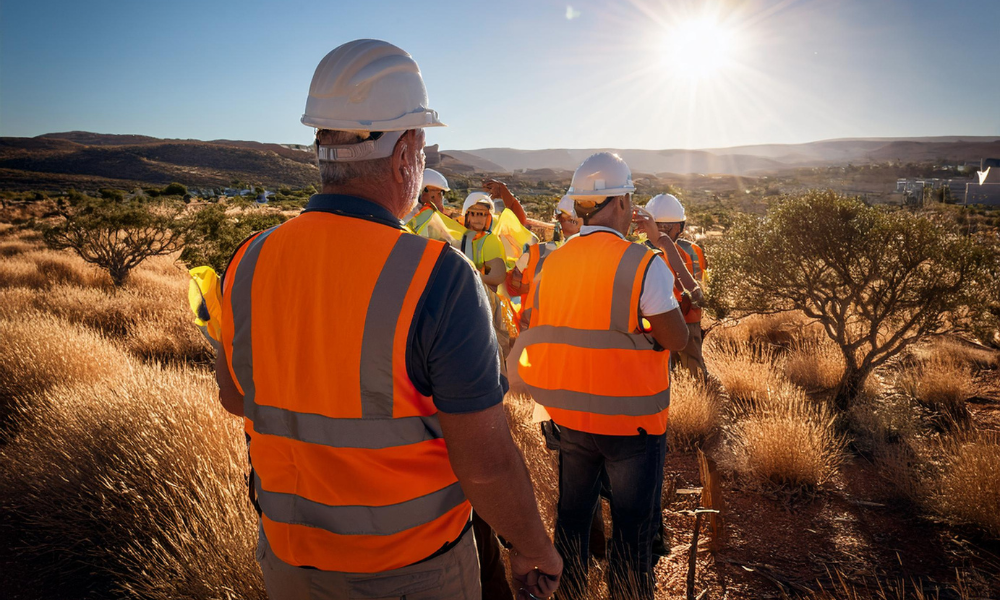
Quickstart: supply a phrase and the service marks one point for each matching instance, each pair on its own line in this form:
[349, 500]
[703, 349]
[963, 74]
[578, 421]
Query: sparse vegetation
[783, 439]
[215, 234]
[940, 384]
[967, 489]
[116, 461]
[877, 280]
[117, 236]
[694, 411]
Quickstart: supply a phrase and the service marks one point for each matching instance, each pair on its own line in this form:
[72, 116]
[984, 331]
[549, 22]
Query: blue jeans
[634, 467]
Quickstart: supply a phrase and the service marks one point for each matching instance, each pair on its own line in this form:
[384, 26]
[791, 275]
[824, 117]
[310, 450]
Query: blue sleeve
[453, 353]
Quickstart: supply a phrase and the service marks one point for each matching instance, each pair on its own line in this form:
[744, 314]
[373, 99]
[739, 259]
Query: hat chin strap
[369, 149]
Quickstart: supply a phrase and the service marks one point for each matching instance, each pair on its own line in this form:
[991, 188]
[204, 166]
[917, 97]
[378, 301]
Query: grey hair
[341, 173]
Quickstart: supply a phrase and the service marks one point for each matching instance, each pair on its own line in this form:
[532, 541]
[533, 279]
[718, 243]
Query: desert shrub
[787, 442]
[118, 236]
[876, 279]
[144, 479]
[817, 366]
[939, 384]
[967, 488]
[174, 189]
[694, 411]
[216, 234]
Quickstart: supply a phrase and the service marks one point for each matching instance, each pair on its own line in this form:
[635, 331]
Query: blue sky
[523, 74]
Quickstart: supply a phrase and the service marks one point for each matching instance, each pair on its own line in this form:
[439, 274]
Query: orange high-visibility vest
[694, 259]
[537, 253]
[584, 357]
[351, 470]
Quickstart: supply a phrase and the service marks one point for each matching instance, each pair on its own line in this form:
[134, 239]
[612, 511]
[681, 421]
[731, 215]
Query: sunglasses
[477, 214]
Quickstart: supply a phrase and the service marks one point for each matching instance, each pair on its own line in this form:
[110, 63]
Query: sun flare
[699, 48]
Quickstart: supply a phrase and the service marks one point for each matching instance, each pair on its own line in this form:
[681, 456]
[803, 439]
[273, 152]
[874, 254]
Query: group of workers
[365, 362]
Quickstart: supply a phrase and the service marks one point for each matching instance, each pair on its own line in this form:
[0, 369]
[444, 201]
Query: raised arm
[498, 189]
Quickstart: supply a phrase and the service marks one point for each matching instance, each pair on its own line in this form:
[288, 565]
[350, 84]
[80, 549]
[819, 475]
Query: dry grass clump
[541, 462]
[144, 479]
[13, 248]
[163, 328]
[694, 411]
[40, 351]
[150, 315]
[876, 422]
[815, 366]
[967, 487]
[41, 269]
[788, 441]
[959, 352]
[940, 384]
[969, 585]
[747, 372]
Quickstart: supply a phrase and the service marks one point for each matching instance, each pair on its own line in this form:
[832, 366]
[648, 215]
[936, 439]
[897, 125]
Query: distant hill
[89, 160]
[755, 160]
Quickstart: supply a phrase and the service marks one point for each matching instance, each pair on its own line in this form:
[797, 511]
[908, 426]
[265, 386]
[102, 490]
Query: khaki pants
[691, 357]
[453, 575]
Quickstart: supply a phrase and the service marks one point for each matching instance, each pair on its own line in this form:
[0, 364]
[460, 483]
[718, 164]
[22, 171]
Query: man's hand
[697, 296]
[495, 188]
[538, 576]
[645, 223]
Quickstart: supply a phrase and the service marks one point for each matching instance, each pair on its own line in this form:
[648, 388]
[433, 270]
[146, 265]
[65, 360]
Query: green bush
[214, 235]
[876, 279]
[117, 236]
[174, 189]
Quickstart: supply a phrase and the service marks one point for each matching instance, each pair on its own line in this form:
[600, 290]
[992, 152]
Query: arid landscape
[121, 475]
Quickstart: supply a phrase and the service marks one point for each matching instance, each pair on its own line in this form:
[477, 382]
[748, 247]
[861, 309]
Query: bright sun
[699, 48]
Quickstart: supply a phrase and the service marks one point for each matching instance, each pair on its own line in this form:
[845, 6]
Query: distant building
[987, 189]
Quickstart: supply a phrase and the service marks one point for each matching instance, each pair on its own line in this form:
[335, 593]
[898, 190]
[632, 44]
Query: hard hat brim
[415, 120]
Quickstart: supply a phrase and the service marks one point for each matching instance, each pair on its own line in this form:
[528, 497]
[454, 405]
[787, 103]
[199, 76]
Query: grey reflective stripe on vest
[381, 322]
[242, 298]
[343, 433]
[358, 520]
[695, 261]
[587, 338]
[468, 246]
[621, 298]
[630, 406]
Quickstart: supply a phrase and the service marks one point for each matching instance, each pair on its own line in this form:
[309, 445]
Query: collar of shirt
[588, 229]
[352, 206]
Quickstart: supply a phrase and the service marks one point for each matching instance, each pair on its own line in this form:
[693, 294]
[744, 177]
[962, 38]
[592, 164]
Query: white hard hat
[367, 85]
[433, 179]
[600, 176]
[566, 206]
[477, 198]
[666, 208]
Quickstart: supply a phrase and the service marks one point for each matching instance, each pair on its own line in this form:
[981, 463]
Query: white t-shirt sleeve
[658, 289]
